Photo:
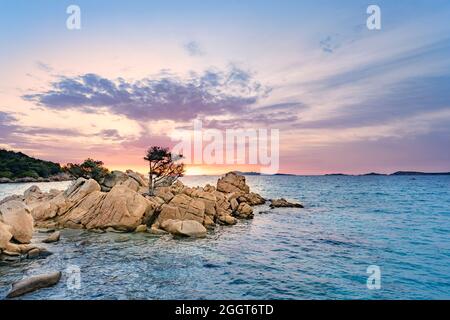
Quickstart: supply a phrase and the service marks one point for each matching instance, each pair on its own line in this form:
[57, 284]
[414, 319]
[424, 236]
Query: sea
[358, 237]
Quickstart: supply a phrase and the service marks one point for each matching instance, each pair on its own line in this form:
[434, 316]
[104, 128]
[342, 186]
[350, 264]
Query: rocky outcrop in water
[283, 203]
[121, 202]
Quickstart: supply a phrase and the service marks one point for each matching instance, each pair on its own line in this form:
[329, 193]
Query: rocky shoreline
[55, 178]
[124, 205]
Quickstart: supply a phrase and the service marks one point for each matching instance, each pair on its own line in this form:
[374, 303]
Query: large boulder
[187, 209]
[139, 178]
[164, 193]
[115, 177]
[252, 199]
[232, 182]
[17, 215]
[34, 283]
[83, 205]
[186, 228]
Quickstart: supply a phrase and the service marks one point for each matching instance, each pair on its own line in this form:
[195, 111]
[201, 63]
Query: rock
[252, 199]
[209, 188]
[209, 201]
[11, 253]
[98, 230]
[54, 237]
[234, 204]
[164, 193]
[5, 235]
[183, 207]
[186, 228]
[6, 180]
[122, 238]
[46, 230]
[232, 182]
[33, 253]
[34, 283]
[32, 192]
[130, 183]
[226, 219]
[114, 178]
[10, 198]
[141, 228]
[110, 229]
[83, 205]
[81, 188]
[17, 215]
[38, 253]
[157, 231]
[140, 179]
[177, 187]
[244, 211]
[208, 222]
[283, 203]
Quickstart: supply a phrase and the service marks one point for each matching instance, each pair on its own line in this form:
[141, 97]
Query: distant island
[398, 173]
[18, 167]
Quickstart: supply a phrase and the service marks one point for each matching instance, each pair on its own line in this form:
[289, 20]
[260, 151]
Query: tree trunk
[150, 180]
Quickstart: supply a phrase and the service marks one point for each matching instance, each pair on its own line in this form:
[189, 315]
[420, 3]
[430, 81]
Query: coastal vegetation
[163, 166]
[88, 169]
[15, 165]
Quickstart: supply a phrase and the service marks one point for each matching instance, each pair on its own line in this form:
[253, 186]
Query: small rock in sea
[122, 239]
[84, 243]
[111, 229]
[98, 230]
[141, 228]
[283, 203]
[157, 231]
[54, 237]
[38, 253]
[185, 228]
[34, 283]
[11, 254]
[46, 230]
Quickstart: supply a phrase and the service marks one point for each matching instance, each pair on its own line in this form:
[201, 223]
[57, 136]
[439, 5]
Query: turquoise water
[401, 224]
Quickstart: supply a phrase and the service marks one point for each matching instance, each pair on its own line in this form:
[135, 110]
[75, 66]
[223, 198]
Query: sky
[138, 73]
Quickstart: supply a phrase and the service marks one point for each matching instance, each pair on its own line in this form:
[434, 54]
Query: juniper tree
[163, 165]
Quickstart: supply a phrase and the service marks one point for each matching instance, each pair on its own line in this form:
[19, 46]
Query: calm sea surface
[401, 224]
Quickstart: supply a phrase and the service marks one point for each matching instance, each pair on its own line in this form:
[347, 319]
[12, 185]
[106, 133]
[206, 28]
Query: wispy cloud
[193, 48]
[165, 96]
[44, 66]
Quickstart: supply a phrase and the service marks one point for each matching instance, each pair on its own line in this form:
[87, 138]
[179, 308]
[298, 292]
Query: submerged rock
[34, 283]
[54, 237]
[141, 228]
[283, 203]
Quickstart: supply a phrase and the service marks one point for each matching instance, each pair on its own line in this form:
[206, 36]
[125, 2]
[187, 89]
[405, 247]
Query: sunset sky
[344, 98]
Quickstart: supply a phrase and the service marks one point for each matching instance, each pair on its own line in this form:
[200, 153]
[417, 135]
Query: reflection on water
[322, 251]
